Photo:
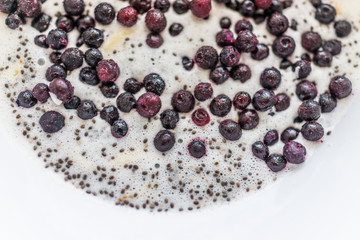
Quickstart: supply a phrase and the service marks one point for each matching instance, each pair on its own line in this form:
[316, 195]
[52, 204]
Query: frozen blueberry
[248, 119]
[325, 13]
[247, 8]
[93, 37]
[282, 102]
[41, 92]
[197, 149]
[241, 72]
[104, 13]
[225, 22]
[8, 6]
[241, 100]
[271, 138]
[221, 105]
[41, 22]
[26, 99]
[40, 40]
[109, 89]
[55, 71]
[87, 110]
[231, 4]
[72, 58]
[323, 59]
[162, 5]
[175, 29]
[277, 24]
[73, 103]
[57, 39]
[183, 101]
[316, 3]
[242, 25]
[62, 89]
[306, 90]
[302, 69]
[181, 6]
[155, 21]
[261, 52]
[65, 23]
[270, 78]
[52, 122]
[132, 85]
[289, 134]
[93, 57]
[55, 57]
[285, 64]
[312, 131]
[225, 38]
[127, 16]
[219, 75]
[342, 28]
[110, 114]
[141, 6]
[293, 24]
[311, 41]
[200, 8]
[263, 100]
[169, 118]
[246, 41]
[154, 40]
[108, 70]
[229, 56]
[126, 102]
[14, 21]
[276, 162]
[340, 87]
[153, 82]
[164, 141]
[29, 8]
[333, 46]
[260, 150]
[74, 7]
[230, 130]
[148, 105]
[283, 46]
[309, 110]
[203, 91]
[200, 117]
[187, 63]
[327, 102]
[119, 128]
[294, 152]
[88, 75]
[206, 57]
[84, 22]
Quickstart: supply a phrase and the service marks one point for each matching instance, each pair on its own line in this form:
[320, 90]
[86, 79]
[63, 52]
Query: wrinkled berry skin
[224, 38]
[154, 83]
[88, 75]
[277, 24]
[260, 150]
[283, 46]
[74, 7]
[325, 13]
[73, 103]
[340, 87]
[62, 89]
[248, 119]
[132, 85]
[8, 6]
[41, 92]
[306, 90]
[148, 105]
[342, 28]
[241, 72]
[261, 52]
[154, 40]
[126, 102]
[311, 41]
[104, 13]
[119, 129]
[169, 119]
[109, 89]
[289, 134]
[312, 131]
[271, 138]
[203, 91]
[110, 114]
[141, 6]
[230, 130]
[302, 68]
[241, 100]
[72, 58]
[197, 149]
[333, 46]
[93, 57]
[164, 141]
[309, 110]
[41, 22]
[294, 152]
[87, 110]
[206, 57]
[108, 70]
[282, 102]
[270, 78]
[29, 8]
[200, 8]
[127, 16]
[219, 75]
[52, 122]
[57, 39]
[323, 59]
[93, 37]
[246, 41]
[229, 56]
[327, 102]
[26, 99]
[276, 162]
[183, 101]
[221, 105]
[263, 100]
[155, 21]
[200, 117]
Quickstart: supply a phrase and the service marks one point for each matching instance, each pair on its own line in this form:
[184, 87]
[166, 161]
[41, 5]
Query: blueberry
[263, 100]
[52, 122]
[246, 41]
[181, 6]
[312, 131]
[323, 59]
[311, 41]
[248, 119]
[183, 101]
[93, 37]
[229, 56]
[164, 141]
[219, 75]
[84, 22]
[302, 69]
[200, 117]
[221, 105]
[342, 28]
[169, 118]
[55, 57]
[41, 92]
[285, 64]
[57, 39]
[260, 150]
[200, 8]
[74, 7]
[187, 63]
[55, 71]
[126, 102]
[309, 110]
[127, 16]
[325, 13]
[241, 100]
[282, 102]
[65, 23]
[155, 21]
[175, 29]
[73, 103]
[230, 130]
[271, 138]
[87, 110]
[241, 72]
[154, 40]
[305, 57]
[14, 21]
[247, 8]
[294, 152]
[132, 85]
[231, 4]
[93, 57]
[270, 78]
[162, 5]
[40, 40]
[108, 70]
[197, 149]
[41, 22]
[206, 57]
[225, 22]
[88, 75]
[225, 38]
[293, 24]
[110, 114]
[242, 25]
[333, 46]
[109, 89]
[289, 134]
[153, 82]
[29, 8]
[141, 6]
[261, 52]
[203, 91]
[316, 3]
[276, 162]
[148, 105]
[104, 13]
[340, 87]
[62, 89]
[306, 90]
[8, 6]
[72, 58]
[119, 128]
[327, 102]
[26, 99]
[283, 46]
[277, 24]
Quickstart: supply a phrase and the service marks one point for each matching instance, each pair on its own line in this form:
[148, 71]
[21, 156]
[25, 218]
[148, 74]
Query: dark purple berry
[155, 21]
[93, 57]
[8, 6]
[162, 5]
[14, 21]
[84, 22]
[229, 56]
[175, 29]
[342, 28]
[230, 130]
[271, 138]
[309, 110]
[183, 101]
[333, 46]
[29, 8]
[270, 78]
[302, 69]
[241, 72]
[246, 41]
[219, 75]
[305, 57]
[276, 162]
[293, 24]
[248, 119]
[306, 90]
[154, 40]
[153, 82]
[261, 52]
[231, 4]
[260, 150]
[285, 64]
[282, 102]
[141, 6]
[294, 152]
[55, 57]
[323, 59]
[26, 99]
[206, 57]
[264, 4]
[148, 105]
[41, 22]
[126, 102]
[40, 40]
[52, 122]
[109, 89]
[283, 46]
[62, 89]
[108, 70]
[187, 63]
[164, 141]
[57, 39]
[340, 87]
[87, 110]
[74, 7]
[327, 102]
[65, 23]
[221, 105]
[242, 25]
[277, 24]
[72, 58]
[127, 16]
[55, 71]
[119, 128]
[110, 114]
[41, 92]
[225, 22]
[311, 41]
[289, 134]
[88, 75]
[200, 117]
[263, 100]
[203, 91]
[181, 6]
[104, 13]
[132, 85]
[241, 100]
[312, 131]
[197, 149]
[200, 8]
[224, 38]
[73, 103]
[247, 8]
[316, 3]
[169, 118]
[325, 13]
[93, 37]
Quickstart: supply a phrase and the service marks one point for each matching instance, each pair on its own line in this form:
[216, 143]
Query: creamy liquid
[130, 171]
